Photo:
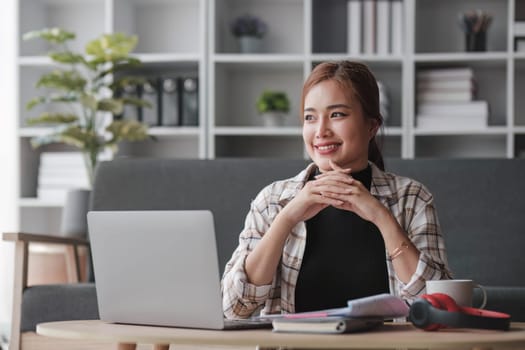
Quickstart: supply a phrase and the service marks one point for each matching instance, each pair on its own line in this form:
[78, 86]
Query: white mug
[460, 290]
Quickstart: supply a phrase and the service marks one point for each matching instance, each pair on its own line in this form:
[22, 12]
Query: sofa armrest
[38, 238]
[510, 300]
[22, 241]
[72, 243]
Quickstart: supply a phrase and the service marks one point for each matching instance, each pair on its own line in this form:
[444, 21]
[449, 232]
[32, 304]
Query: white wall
[8, 154]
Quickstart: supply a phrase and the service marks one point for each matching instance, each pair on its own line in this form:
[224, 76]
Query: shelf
[34, 132]
[466, 57]
[40, 203]
[257, 131]
[171, 58]
[173, 131]
[389, 60]
[258, 58]
[488, 131]
[35, 61]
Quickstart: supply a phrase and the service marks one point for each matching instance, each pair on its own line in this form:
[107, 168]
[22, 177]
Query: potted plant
[249, 30]
[273, 105]
[88, 83]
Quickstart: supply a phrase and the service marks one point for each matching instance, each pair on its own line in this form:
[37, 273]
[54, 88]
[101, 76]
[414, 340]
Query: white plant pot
[74, 214]
[249, 44]
[273, 119]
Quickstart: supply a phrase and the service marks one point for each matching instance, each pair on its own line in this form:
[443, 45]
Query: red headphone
[434, 311]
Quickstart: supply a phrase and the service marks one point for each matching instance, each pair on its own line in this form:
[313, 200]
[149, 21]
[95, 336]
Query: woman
[342, 228]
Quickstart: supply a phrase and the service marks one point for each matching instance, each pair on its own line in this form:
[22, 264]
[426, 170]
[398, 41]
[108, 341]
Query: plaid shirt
[410, 203]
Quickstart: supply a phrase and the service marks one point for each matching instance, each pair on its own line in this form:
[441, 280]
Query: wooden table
[390, 336]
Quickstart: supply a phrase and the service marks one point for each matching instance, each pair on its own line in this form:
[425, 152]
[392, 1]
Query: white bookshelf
[193, 37]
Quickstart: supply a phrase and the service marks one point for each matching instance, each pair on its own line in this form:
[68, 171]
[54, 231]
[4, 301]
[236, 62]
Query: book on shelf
[369, 26]
[326, 325]
[445, 96]
[452, 122]
[519, 44]
[478, 107]
[60, 172]
[438, 85]
[383, 27]
[460, 73]
[61, 159]
[396, 33]
[519, 28]
[354, 23]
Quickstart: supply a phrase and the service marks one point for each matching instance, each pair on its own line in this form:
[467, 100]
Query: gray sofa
[480, 203]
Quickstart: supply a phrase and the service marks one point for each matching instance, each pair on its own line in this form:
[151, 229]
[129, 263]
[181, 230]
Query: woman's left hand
[354, 194]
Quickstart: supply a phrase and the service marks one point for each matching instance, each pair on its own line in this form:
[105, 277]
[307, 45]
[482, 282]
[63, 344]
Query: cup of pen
[476, 41]
[475, 24]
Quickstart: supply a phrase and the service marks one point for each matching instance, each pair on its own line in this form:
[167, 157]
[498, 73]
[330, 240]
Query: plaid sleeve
[424, 231]
[241, 299]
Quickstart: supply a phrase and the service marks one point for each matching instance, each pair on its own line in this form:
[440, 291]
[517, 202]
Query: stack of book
[359, 315]
[445, 100]
[375, 27]
[60, 172]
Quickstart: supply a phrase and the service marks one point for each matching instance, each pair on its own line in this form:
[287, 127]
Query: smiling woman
[343, 228]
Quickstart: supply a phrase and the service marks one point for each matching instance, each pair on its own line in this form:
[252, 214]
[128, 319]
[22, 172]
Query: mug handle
[484, 292]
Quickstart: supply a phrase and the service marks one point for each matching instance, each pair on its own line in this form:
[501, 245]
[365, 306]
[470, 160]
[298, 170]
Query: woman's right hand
[309, 201]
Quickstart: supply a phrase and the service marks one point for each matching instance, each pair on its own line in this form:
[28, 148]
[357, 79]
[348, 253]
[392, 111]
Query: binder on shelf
[189, 93]
[383, 27]
[354, 23]
[169, 111]
[130, 112]
[396, 39]
[150, 93]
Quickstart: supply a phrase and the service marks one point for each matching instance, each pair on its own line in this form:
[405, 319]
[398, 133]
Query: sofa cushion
[58, 302]
[224, 186]
[481, 206]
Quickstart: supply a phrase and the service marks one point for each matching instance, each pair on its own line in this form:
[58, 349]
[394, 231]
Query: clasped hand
[335, 188]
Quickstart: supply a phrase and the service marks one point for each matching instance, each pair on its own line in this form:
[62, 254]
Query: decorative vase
[273, 119]
[74, 214]
[249, 44]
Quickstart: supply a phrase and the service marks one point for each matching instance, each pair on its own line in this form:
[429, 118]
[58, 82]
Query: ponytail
[374, 154]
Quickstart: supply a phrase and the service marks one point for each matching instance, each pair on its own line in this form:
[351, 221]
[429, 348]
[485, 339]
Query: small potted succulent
[273, 107]
[249, 30]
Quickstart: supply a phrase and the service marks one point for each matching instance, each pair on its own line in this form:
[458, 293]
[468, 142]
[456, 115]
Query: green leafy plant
[87, 84]
[273, 101]
[248, 25]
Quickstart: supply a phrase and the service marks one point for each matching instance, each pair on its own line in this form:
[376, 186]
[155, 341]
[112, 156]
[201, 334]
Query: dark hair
[355, 78]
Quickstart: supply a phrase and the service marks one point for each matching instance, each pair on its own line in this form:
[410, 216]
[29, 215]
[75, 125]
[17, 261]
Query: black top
[344, 258]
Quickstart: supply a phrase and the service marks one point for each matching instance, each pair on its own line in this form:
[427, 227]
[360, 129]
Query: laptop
[159, 268]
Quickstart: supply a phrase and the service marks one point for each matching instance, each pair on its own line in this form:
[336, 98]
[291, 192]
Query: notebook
[159, 268]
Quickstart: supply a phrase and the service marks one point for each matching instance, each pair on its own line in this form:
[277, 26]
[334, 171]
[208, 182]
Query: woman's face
[334, 127]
